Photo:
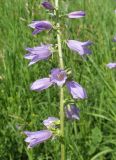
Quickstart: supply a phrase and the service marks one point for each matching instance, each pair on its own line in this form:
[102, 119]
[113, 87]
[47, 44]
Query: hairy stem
[61, 65]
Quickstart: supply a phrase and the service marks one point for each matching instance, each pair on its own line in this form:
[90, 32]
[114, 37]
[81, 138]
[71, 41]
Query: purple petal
[41, 84]
[85, 44]
[39, 48]
[28, 133]
[76, 14]
[50, 122]
[72, 112]
[40, 26]
[33, 24]
[47, 5]
[38, 137]
[58, 76]
[111, 65]
[29, 56]
[37, 31]
[76, 90]
[38, 53]
[80, 47]
[43, 25]
[75, 46]
[86, 50]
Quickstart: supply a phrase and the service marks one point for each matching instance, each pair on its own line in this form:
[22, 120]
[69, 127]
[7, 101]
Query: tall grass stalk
[61, 65]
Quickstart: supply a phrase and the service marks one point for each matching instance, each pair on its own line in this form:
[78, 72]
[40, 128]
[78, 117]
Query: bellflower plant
[59, 76]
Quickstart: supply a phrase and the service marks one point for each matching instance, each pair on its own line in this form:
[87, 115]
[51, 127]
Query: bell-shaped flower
[38, 53]
[76, 90]
[72, 112]
[41, 84]
[58, 76]
[40, 26]
[79, 47]
[111, 65]
[47, 5]
[34, 138]
[76, 14]
[51, 122]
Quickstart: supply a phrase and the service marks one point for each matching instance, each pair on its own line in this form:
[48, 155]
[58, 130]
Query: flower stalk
[61, 65]
[58, 76]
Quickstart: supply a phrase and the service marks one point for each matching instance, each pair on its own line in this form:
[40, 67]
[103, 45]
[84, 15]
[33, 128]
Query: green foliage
[94, 136]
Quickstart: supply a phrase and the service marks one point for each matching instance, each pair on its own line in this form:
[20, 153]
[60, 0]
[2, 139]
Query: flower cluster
[57, 77]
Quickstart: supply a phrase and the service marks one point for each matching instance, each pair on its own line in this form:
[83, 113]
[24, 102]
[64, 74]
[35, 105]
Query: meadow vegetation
[93, 137]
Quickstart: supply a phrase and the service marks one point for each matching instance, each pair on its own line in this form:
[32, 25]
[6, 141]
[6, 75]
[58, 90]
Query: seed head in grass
[76, 14]
[79, 47]
[111, 65]
[72, 112]
[76, 90]
[40, 26]
[34, 138]
[47, 5]
[38, 53]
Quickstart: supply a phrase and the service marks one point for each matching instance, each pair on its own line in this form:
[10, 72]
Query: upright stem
[61, 89]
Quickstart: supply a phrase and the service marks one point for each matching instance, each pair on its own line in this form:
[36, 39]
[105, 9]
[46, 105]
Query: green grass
[94, 136]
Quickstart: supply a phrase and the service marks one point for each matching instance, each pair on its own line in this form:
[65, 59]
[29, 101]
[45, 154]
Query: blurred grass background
[94, 136]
